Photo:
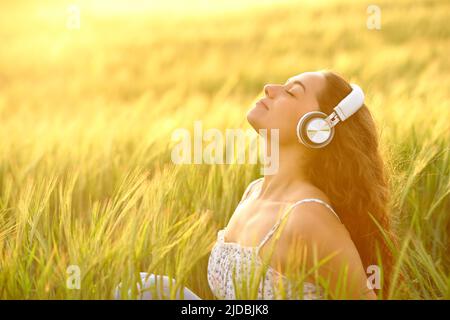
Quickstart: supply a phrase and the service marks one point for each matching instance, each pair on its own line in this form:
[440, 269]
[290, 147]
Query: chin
[254, 118]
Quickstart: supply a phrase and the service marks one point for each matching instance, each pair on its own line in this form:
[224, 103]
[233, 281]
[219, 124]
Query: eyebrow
[300, 83]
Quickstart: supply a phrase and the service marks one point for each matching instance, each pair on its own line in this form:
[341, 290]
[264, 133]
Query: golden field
[86, 118]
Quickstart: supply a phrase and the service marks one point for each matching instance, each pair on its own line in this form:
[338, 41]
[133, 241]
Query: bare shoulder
[316, 225]
[311, 215]
[317, 229]
[315, 221]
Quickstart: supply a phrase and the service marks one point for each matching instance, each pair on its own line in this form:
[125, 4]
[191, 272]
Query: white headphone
[315, 129]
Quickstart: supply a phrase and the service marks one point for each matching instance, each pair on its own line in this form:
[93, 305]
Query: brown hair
[350, 170]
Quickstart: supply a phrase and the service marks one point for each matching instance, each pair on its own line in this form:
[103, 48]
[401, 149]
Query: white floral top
[230, 265]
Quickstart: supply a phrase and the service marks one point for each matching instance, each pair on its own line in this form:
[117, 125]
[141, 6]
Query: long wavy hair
[351, 172]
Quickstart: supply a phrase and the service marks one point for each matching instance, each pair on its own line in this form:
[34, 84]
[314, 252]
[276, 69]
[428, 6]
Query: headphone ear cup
[313, 131]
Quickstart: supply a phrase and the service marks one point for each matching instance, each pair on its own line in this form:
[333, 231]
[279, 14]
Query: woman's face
[283, 105]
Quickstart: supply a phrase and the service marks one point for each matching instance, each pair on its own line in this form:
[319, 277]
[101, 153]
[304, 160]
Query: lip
[263, 104]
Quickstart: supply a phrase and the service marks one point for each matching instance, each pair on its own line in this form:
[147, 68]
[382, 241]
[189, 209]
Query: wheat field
[87, 115]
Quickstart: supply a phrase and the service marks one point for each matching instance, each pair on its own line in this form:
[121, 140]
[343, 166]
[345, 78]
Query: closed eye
[290, 93]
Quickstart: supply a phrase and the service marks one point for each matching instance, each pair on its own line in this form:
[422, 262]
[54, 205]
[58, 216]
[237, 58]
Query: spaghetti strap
[250, 188]
[275, 227]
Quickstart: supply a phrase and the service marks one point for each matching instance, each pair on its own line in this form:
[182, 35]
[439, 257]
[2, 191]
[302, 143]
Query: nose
[268, 89]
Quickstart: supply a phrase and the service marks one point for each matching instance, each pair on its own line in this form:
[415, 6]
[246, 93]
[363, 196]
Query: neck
[291, 172]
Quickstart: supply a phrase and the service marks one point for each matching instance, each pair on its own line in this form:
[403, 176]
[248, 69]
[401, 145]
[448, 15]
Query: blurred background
[91, 91]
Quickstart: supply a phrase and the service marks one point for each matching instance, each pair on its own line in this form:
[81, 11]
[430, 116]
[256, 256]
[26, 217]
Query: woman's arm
[314, 233]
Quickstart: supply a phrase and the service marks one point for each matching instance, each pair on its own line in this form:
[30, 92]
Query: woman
[330, 199]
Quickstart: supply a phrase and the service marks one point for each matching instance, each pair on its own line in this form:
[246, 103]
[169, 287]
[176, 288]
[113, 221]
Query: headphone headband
[351, 103]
